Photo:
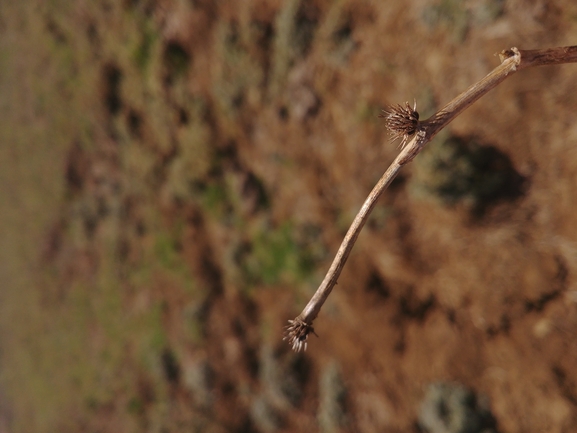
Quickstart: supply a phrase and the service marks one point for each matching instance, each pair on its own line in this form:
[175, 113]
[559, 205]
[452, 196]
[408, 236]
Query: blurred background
[177, 175]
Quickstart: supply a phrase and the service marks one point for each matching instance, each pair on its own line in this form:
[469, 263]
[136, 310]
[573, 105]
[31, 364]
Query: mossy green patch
[275, 256]
[144, 50]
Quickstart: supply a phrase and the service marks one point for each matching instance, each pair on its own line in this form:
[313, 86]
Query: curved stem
[511, 61]
[313, 307]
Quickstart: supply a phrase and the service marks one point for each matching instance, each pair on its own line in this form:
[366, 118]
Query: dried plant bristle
[297, 332]
[402, 122]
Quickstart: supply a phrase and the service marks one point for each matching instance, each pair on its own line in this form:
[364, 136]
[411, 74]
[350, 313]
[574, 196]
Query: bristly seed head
[402, 122]
[297, 332]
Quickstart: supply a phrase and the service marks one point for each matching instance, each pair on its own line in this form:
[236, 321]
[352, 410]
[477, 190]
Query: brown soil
[178, 176]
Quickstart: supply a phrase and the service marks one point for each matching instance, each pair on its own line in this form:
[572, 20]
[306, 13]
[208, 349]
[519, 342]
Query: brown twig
[403, 123]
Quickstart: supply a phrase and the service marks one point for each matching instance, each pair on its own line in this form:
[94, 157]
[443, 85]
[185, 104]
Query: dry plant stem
[511, 61]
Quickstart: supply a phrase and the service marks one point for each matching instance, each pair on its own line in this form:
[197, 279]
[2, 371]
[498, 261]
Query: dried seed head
[297, 333]
[402, 122]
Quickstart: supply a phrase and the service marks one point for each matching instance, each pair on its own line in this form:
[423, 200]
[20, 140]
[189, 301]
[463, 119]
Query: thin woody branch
[403, 123]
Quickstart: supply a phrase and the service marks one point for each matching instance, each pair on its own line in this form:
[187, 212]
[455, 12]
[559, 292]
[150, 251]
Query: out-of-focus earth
[176, 177]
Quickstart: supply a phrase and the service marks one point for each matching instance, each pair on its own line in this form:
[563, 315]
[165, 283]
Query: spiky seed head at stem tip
[297, 332]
